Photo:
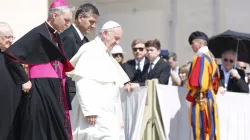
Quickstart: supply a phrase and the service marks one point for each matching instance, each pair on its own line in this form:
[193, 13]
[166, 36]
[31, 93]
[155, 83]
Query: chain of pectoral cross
[56, 65]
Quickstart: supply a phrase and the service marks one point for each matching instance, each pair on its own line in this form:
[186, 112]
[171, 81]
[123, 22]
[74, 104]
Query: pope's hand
[127, 87]
[26, 87]
[134, 85]
[221, 90]
[91, 119]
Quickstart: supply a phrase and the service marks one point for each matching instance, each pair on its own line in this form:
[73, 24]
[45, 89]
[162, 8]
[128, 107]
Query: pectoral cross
[55, 64]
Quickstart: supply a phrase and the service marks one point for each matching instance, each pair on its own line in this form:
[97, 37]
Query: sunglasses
[228, 60]
[117, 54]
[140, 49]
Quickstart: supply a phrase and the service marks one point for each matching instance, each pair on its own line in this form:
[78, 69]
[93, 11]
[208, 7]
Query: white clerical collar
[141, 62]
[100, 42]
[51, 26]
[203, 49]
[156, 60]
[78, 31]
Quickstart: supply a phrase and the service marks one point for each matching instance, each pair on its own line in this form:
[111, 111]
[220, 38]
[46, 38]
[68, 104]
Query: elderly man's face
[228, 60]
[112, 37]
[62, 21]
[6, 39]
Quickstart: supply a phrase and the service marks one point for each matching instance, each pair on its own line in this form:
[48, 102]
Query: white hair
[4, 27]
[60, 9]
[109, 30]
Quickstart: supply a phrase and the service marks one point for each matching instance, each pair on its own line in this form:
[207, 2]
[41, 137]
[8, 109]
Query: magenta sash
[46, 71]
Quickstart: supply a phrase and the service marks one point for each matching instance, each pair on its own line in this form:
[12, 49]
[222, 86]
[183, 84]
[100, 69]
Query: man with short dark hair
[203, 84]
[74, 37]
[158, 68]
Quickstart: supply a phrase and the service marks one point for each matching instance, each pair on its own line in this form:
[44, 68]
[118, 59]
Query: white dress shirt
[141, 63]
[203, 49]
[78, 31]
[153, 63]
[226, 76]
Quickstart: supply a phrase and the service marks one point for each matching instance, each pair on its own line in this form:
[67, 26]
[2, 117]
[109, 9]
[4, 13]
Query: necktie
[138, 67]
[150, 67]
[150, 71]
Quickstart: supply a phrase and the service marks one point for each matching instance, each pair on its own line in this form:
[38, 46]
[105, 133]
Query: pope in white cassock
[96, 113]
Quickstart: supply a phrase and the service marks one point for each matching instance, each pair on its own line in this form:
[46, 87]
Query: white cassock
[98, 78]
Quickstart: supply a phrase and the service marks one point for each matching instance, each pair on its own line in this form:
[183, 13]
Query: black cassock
[10, 94]
[44, 111]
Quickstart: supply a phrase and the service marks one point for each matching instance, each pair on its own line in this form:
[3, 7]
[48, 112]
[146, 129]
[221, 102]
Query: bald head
[111, 34]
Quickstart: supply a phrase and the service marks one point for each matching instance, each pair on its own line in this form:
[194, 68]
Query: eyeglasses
[140, 49]
[228, 60]
[10, 37]
[117, 54]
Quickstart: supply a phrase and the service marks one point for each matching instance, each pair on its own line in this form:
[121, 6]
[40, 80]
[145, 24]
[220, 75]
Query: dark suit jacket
[134, 75]
[235, 85]
[72, 41]
[161, 71]
[71, 44]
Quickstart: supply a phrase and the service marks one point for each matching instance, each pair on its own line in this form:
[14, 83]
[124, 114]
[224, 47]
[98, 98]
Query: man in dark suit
[138, 67]
[231, 79]
[158, 69]
[74, 37]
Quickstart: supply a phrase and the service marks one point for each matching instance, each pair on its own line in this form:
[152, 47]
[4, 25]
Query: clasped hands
[91, 119]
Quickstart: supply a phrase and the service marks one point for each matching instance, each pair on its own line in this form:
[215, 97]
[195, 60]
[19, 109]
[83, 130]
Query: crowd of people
[56, 84]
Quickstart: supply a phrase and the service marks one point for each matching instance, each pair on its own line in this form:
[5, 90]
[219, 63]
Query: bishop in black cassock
[44, 111]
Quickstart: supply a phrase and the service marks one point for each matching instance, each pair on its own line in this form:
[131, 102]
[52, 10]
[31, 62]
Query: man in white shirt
[74, 37]
[158, 68]
[96, 109]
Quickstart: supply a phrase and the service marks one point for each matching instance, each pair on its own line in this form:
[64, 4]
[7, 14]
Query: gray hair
[60, 10]
[109, 30]
[3, 27]
[173, 55]
[86, 10]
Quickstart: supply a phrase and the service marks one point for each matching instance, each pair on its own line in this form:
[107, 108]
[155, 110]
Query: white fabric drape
[133, 107]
